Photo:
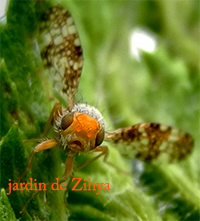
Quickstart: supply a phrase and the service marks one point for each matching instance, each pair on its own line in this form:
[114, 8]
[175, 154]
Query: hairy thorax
[82, 129]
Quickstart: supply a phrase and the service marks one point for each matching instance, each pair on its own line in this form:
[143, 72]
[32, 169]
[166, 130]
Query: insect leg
[105, 153]
[68, 171]
[56, 111]
[68, 166]
[47, 144]
[42, 146]
[28, 201]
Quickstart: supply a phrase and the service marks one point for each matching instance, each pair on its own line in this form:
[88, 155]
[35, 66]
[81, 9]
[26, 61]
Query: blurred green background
[162, 86]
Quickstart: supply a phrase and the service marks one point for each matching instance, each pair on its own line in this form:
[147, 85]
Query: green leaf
[7, 212]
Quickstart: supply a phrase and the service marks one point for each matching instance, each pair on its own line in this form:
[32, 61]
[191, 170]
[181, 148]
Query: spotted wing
[149, 141]
[61, 50]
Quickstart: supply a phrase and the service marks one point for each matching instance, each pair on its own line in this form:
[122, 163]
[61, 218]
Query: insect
[81, 127]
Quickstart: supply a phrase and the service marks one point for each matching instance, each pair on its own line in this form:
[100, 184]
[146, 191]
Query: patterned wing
[61, 50]
[149, 141]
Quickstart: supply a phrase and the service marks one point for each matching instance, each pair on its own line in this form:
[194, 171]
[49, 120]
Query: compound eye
[67, 120]
[99, 138]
